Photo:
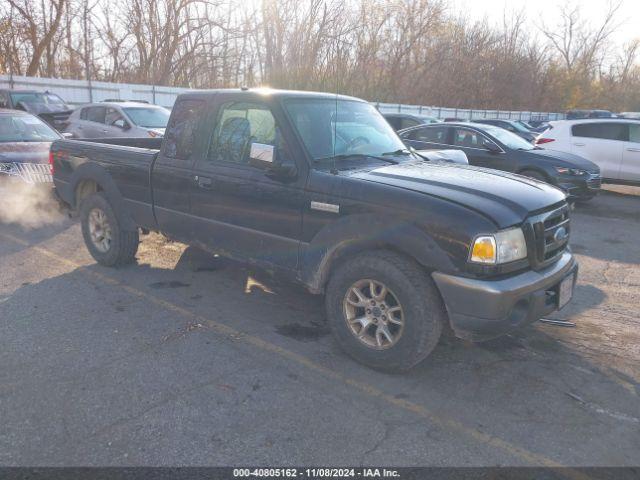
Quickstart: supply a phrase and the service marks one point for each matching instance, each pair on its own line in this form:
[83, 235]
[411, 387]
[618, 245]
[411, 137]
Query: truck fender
[104, 182]
[355, 233]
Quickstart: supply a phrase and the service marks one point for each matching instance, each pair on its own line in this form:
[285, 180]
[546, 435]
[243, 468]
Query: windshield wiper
[401, 151]
[344, 156]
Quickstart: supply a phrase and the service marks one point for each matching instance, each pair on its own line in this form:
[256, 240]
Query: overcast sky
[547, 10]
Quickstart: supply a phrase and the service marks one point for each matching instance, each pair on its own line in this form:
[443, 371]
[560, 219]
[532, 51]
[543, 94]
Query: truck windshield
[338, 129]
[25, 128]
[148, 117]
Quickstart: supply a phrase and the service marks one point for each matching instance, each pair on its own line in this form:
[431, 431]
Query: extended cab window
[239, 125]
[604, 131]
[429, 134]
[180, 133]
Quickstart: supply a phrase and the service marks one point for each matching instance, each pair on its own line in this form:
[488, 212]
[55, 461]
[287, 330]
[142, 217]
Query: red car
[24, 147]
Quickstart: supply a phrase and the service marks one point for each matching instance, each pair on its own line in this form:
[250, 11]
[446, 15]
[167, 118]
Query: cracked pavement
[161, 363]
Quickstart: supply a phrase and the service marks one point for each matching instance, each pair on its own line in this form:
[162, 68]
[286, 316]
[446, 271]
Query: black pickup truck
[318, 187]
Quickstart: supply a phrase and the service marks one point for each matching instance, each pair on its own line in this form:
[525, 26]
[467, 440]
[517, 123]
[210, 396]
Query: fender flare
[356, 233]
[104, 181]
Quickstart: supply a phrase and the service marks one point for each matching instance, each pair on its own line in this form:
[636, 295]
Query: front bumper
[581, 188]
[484, 309]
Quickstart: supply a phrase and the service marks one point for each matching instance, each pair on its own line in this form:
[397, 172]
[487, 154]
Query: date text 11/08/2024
[315, 473]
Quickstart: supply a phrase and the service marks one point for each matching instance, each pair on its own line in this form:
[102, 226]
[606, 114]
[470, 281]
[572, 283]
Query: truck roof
[267, 92]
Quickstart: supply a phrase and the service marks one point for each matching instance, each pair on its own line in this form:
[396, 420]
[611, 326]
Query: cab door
[241, 210]
[630, 169]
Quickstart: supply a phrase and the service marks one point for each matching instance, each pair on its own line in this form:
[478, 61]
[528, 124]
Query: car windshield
[508, 139]
[25, 128]
[148, 117]
[36, 97]
[331, 128]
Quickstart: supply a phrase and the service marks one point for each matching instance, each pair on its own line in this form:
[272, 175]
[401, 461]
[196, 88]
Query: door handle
[203, 182]
[579, 144]
[633, 149]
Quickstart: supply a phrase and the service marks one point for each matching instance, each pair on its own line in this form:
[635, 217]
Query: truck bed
[124, 162]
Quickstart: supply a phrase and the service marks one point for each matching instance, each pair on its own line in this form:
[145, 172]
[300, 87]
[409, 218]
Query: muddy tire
[384, 310]
[106, 239]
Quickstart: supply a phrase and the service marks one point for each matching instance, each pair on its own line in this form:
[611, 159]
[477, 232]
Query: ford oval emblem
[561, 234]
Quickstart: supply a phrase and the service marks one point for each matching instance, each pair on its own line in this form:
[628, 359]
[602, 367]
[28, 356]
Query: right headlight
[501, 247]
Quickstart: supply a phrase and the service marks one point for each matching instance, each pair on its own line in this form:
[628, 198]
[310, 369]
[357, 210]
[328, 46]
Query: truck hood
[505, 198]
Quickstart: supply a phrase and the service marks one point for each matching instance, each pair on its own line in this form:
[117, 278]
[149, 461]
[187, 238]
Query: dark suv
[46, 105]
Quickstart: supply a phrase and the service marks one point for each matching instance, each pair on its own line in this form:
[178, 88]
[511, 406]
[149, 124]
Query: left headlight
[570, 171]
[501, 247]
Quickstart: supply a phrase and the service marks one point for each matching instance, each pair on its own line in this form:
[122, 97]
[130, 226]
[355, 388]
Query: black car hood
[562, 159]
[44, 108]
[505, 198]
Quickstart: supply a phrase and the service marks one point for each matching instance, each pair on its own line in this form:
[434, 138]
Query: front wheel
[107, 241]
[384, 310]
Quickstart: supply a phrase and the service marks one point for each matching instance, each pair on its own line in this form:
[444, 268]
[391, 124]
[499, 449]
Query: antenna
[334, 169]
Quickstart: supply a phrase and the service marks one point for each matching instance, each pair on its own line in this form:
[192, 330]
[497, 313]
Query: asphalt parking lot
[176, 361]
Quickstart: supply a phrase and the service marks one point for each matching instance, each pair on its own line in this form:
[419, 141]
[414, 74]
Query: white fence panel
[77, 92]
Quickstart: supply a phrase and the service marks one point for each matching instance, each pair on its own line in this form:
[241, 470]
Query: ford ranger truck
[319, 188]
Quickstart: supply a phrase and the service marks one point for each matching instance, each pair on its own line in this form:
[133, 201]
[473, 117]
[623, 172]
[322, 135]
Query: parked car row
[494, 147]
[110, 118]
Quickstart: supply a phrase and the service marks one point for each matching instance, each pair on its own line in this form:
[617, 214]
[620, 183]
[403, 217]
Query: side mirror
[265, 157]
[122, 124]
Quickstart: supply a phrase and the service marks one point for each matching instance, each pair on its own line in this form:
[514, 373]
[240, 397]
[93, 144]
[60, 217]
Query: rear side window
[429, 134]
[180, 134]
[604, 131]
[96, 114]
[634, 133]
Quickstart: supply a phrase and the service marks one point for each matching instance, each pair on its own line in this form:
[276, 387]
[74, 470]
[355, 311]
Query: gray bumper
[485, 309]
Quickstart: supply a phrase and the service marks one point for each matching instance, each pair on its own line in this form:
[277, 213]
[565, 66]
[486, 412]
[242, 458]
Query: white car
[612, 144]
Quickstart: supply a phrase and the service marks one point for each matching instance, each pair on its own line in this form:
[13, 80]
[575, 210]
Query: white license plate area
[565, 291]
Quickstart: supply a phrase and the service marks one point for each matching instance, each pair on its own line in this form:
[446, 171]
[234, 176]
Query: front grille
[28, 172]
[594, 180]
[547, 236]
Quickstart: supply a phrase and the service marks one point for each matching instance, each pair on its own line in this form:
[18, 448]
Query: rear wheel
[107, 241]
[384, 310]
